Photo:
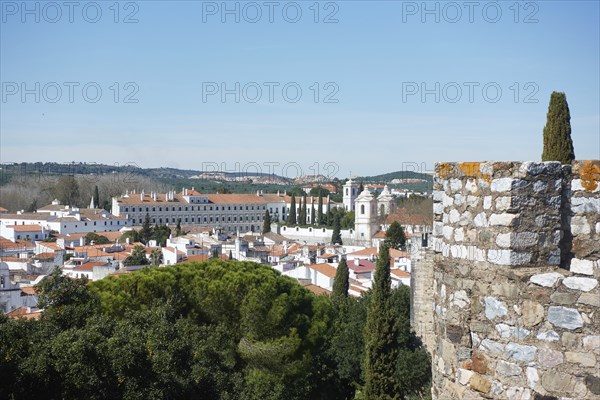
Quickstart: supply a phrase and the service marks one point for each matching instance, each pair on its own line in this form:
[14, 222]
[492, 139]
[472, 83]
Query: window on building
[126, 209]
[362, 208]
[346, 191]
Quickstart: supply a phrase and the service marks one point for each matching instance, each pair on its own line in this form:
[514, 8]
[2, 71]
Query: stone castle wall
[514, 297]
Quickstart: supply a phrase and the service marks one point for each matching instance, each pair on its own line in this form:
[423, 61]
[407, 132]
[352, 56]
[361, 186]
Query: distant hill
[400, 179]
[398, 175]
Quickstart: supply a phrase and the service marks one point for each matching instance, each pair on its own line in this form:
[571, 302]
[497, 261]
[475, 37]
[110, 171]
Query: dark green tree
[266, 222]
[361, 187]
[381, 336]
[178, 231]
[336, 236]
[96, 238]
[96, 197]
[313, 215]
[320, 211]
[292, 220]
[394, 236]
[161, 233]
[66, 302]
[341, 282]
[558, 145]
[137, 257]
[132, 235]
[347, 219]
[302, 219]
[146, 232]
[230, 255]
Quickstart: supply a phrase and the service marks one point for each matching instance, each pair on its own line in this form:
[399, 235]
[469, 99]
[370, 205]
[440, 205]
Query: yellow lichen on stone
[444, 170]
[590, 175]
[472, 169]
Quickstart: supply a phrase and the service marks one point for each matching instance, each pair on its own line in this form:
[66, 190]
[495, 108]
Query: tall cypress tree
[558, 145]
[381, 336]
[313, 216]
[320, 211]
[96, 197]
[340, 282]
[146, 231]
[302, 219]
[292, 215]
[336, 236]
[266, 222]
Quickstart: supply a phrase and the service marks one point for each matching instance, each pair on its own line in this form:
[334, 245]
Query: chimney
[258, 192]
[127, 240]
[357, 262]
[82, 241]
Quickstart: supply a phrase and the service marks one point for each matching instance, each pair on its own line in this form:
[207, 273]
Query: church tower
[365, 218]
[350, 193]
[386, 203]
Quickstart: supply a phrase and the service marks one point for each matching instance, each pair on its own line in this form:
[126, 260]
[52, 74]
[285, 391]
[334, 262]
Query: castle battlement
[510, 301]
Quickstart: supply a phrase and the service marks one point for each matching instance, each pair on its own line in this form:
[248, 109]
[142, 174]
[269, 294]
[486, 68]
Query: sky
[338, 88]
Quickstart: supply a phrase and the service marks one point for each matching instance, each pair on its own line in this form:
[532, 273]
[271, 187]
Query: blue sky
[375, 61]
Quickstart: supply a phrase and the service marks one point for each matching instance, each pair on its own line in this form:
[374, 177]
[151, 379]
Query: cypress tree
[340, 282]
[381, 336]
[266, 222]
[146, 232]
[292, 215]
[313, 216]
[302, 215]
[96, 197]
[320, 211]
[558, 145]
[336, 237]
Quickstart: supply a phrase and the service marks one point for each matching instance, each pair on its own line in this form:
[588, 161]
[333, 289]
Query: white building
[11, 294]
[231, 212]
[63, 220]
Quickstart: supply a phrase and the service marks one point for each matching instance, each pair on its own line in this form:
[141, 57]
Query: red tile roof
[325, 269]
[25, 228]
[317, 289]
[405, 218]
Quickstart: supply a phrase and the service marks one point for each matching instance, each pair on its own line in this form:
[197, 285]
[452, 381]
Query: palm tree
[156, 257]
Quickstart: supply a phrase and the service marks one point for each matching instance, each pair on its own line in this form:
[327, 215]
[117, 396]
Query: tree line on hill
[215, 330]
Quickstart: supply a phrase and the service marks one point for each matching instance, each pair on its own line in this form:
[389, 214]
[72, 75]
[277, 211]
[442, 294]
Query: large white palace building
[232, 212]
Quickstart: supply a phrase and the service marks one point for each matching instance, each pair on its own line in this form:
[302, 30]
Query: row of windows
[199, 220]
[192, 208]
